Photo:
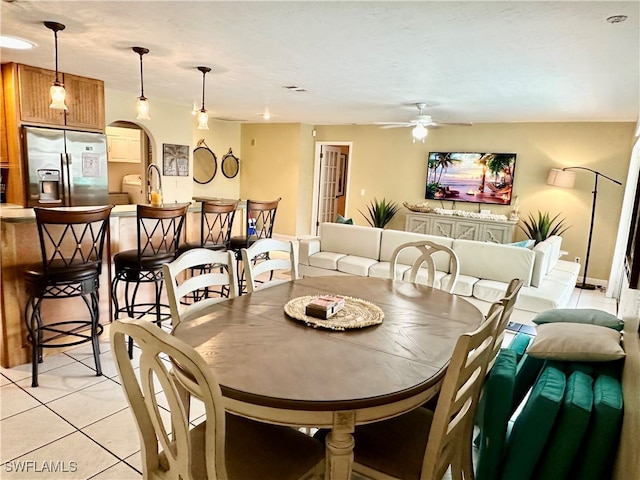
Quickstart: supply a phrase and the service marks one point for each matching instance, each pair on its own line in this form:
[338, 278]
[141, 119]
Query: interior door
[327, 202]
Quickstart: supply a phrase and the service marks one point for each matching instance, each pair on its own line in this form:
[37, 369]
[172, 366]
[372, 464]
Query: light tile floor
[78, 426]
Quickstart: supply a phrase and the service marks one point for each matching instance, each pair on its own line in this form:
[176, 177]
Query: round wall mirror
[205, 165]
[230, 165]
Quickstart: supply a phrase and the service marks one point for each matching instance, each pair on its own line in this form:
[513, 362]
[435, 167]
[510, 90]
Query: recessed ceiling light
[15, 43]
[616, 18]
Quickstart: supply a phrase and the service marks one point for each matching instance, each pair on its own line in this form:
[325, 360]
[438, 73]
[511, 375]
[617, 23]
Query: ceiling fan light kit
[419, 133]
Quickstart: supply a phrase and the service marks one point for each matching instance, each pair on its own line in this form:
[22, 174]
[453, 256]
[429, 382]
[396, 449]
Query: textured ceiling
[359, 62]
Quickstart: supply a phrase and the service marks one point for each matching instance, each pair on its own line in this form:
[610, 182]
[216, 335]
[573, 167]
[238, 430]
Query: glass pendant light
[56, 91]
[142, 106]
[203, 116]
[419, 133]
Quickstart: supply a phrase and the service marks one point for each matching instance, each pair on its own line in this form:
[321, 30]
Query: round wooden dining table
[276, 369]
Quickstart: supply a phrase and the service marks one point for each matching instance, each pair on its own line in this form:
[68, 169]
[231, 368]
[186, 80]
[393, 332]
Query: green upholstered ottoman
[533, 426]
[497, 401]
[568, 430]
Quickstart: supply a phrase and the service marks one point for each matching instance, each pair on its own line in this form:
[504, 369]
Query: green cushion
[598, 450]
[519, 344]
[496, 401]
[579, 315]
[533, 426]
[528, 370]
[341, 219]
[569, 429]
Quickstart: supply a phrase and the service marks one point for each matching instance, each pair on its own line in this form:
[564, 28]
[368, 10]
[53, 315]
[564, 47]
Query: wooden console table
[454, 226]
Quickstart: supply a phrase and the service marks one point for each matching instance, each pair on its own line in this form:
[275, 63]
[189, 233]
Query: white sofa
[485, 268]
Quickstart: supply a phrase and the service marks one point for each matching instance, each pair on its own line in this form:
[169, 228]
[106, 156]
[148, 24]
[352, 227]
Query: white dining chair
[201, 276]
[431, 255]
[223, 446]
[263, 258]
[423, 444]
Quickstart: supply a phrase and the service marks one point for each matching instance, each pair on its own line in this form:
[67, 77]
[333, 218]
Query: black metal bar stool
[216, 222]
[158, 230]
[259, 221]
[71, 242]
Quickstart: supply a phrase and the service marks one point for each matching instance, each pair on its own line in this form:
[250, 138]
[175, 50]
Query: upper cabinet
[85, 99]
[123, 145]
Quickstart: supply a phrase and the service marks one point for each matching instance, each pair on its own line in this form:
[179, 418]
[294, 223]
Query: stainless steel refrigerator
[65, 167]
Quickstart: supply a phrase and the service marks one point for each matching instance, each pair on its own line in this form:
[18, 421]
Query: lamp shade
[561, 178]
[58, 96]
[142, 107]
[203, 120]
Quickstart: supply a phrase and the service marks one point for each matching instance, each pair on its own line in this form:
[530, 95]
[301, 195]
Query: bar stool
[71, 243]
[216, 222]
[158, 230]
[258, 224]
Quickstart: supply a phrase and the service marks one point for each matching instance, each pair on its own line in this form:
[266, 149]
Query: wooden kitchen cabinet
[85, 99]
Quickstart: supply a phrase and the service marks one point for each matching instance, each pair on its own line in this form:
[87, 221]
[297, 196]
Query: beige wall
[278, 162]
[385, 163]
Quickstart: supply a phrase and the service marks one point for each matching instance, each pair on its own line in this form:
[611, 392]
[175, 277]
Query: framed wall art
[175, 160]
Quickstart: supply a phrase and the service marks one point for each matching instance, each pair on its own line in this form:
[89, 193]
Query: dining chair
[508, 303]
[422, 444]
[193, 275]
[158, 237]
[432, 255]
[223, 446]
[262, 258]
[72, 246]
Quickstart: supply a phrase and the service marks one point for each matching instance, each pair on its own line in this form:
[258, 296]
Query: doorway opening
[128, 153]
[330, 182]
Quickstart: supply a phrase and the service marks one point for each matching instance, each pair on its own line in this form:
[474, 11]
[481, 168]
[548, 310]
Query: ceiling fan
[420, 124]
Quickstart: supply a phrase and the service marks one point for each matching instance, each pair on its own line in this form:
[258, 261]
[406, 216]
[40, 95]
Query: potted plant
[380, 212]
[543, 226]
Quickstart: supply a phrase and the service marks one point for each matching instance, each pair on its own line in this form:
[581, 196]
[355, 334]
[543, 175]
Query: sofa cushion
[328, 260]
[489, 290]
[577, 342]
[580, 315]
[566, 266]
[528, 370]
[598, 450]
[421, 277]
[464, 285]
[549, 295]
[493, 261]
[496, 409]
[383, 270]
[392, 239]
[533, 426]
[569, 429]
[519, 344]
[356, 265]
[350, 240]
[543, 252]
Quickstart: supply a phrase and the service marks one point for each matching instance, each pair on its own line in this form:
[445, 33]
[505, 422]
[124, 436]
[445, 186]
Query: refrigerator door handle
[69, 167]
[64, 178]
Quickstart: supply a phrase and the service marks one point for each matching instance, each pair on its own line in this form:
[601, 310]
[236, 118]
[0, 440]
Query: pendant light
[57, 89]
[142, 107]
[203, 116]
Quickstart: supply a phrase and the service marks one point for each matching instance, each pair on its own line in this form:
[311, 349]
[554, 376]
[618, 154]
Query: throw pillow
[346, 221]
[579, 315]
[529, 243]
[577, 342]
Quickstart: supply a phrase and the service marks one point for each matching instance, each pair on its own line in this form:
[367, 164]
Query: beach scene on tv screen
[470, 177]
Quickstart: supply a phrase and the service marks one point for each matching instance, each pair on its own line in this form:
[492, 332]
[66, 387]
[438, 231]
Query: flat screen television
[470, 177]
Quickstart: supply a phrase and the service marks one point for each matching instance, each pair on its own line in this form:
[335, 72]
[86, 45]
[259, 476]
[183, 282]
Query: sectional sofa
[485, 268]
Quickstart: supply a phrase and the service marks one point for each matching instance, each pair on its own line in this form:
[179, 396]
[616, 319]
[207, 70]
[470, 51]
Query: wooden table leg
[339, 447]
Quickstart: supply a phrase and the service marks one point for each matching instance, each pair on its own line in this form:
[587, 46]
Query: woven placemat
[356, 313]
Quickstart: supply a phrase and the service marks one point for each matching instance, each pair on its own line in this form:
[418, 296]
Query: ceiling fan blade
[392, 123]
[459, 124]
[396, 125]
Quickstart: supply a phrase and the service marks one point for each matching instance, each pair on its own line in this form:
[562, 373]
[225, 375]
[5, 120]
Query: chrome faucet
[153, 166]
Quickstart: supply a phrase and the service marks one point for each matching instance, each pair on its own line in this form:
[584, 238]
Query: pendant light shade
[142, 106]
[56, 91]
[419, 133]
[203, 116]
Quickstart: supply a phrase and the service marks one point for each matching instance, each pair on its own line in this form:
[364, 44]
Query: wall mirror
[205, 164]
[230, 165]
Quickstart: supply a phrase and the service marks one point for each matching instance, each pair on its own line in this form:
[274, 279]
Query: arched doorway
[129, 153]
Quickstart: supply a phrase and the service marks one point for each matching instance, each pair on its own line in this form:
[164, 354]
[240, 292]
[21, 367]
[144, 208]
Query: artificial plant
[380, 212]
[543, 226]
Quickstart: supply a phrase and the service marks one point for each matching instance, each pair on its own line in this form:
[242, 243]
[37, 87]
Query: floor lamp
[564, 178]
